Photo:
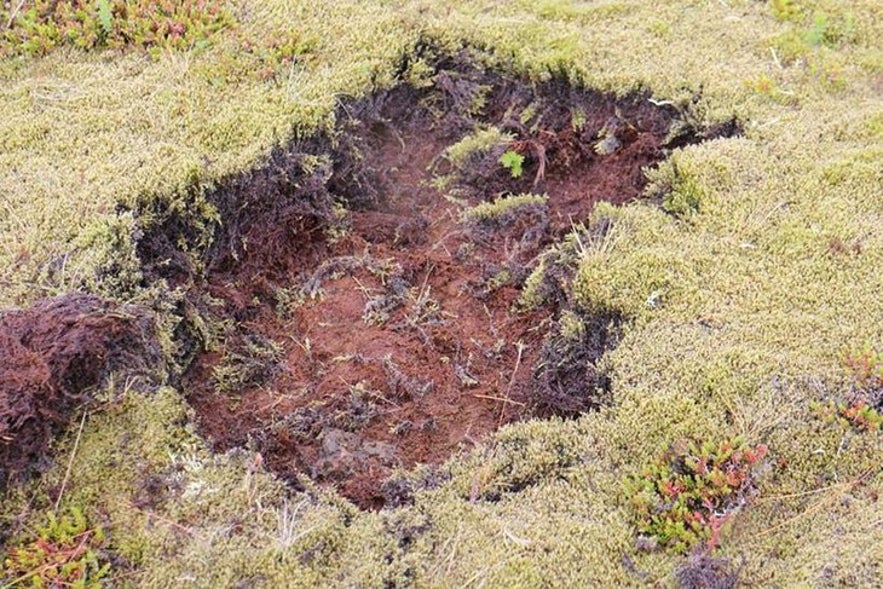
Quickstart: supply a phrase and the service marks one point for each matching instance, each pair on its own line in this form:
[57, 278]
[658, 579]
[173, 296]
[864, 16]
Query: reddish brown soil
[407, 345]
[54, 354]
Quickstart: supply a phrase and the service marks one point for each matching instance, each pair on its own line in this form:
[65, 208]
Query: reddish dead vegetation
[388, 335]
[55, 354]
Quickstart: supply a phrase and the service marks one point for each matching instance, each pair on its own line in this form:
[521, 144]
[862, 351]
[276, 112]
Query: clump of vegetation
[256, 361]
[863, 404]
[785, 10]
[813, 39]
[504, 210]
[478, 143]
[35, 28]
[866, 367]
[683, 193]
[692, 491]
[244, 58]
[861, 416]
[514, 162]
[64, 553]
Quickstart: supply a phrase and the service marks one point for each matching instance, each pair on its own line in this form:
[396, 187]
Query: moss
[251, 363]
[739, 311]
[476, 144]
[504, 210]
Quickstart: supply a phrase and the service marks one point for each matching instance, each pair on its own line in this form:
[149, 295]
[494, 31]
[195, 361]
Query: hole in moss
[380, 268]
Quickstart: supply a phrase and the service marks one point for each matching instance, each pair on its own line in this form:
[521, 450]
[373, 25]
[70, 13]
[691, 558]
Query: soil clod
[54, 356]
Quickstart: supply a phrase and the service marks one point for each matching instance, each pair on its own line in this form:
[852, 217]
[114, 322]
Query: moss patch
[742, 294]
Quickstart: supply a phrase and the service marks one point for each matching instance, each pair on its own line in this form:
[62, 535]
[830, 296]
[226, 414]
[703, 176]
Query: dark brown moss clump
[55, 354]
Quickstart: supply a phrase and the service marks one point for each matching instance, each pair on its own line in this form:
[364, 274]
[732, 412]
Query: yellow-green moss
[504, 208]
[738, 309]
[476, 143]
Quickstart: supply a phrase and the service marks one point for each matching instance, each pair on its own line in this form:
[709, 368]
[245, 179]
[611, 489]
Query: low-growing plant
[503, 210]
[866, 368]
[514, 162]
[482, 141]
[64, 553]
[264, 58]
[861, 416]
[685, 197]
[786, 10]
[861, 407]
[692, 491]
[38, 27]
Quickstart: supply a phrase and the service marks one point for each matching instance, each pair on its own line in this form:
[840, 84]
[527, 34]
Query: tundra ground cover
[745, 273]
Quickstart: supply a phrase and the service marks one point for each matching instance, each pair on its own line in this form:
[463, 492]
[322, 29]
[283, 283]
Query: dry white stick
[14, 13]
[70, 463]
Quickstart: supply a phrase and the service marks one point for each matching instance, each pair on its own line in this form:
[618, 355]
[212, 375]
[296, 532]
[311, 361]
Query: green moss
[504, 209]
[480, 142]
[739, 306]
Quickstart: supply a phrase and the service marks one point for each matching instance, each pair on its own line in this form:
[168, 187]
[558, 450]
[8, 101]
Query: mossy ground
[741, 293]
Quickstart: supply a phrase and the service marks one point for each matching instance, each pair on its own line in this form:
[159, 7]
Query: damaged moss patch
[739, 301]
[56, 354]
[404, 223]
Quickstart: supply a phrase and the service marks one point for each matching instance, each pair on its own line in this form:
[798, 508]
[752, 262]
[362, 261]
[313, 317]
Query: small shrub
[866, 368]
[861, 408]
[65, 553]
[693, 490]
[40, 26]
[861, 416]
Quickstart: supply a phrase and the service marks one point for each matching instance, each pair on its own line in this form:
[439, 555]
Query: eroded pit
[371, 281]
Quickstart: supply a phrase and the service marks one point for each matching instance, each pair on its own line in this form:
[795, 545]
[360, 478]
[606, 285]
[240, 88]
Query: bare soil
[368, 323]
[401, 341]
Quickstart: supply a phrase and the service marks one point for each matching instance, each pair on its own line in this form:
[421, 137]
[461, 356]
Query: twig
[660, 102]
[776, 58]
[820, 504]
[14, 14]
[770, 498]
[161, 519]
[493, 398]
[541, 156]
[70, 462]
[520, 346]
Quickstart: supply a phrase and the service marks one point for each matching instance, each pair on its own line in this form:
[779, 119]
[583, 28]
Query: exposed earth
[392, 334]
[370, 286]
